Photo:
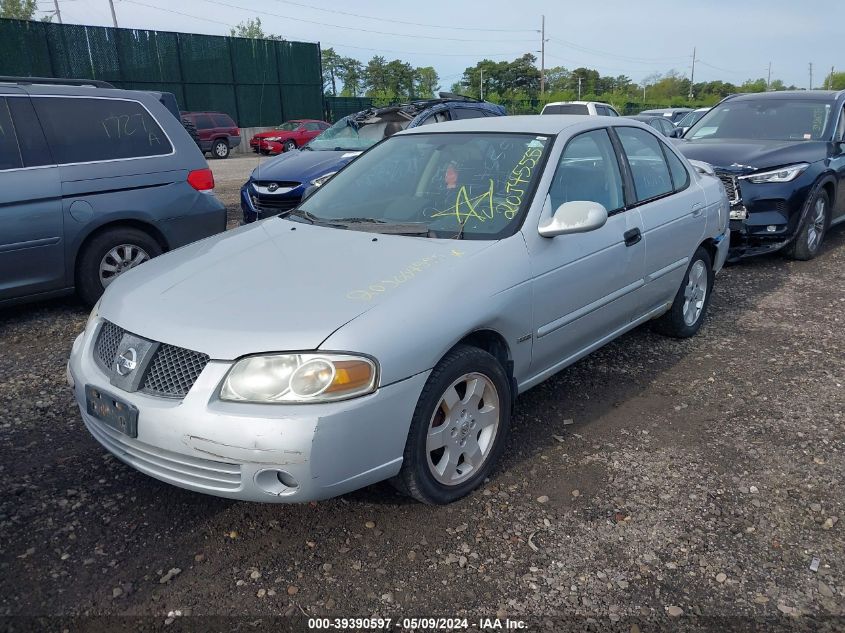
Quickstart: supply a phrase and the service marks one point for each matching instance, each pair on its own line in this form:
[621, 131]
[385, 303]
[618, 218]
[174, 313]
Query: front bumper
[253, 212]
[254, 452]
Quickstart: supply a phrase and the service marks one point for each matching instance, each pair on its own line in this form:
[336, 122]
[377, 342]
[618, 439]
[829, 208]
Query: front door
[585, 286]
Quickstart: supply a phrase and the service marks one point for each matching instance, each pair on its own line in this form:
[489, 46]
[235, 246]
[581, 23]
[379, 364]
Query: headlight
[783, 174]
[299, 378]
[319, 182]
[93, 316]
[275, 139]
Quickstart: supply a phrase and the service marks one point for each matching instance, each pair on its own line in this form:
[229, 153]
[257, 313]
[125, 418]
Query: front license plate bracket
[112, 411]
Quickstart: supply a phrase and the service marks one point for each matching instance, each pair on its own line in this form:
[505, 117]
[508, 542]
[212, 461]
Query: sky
[735, 40]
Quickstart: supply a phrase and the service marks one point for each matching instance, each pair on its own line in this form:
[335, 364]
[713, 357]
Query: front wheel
[289, 146]
[459, 427]
[808, 242]
[220, 149]
[687, 313]
[108, 255]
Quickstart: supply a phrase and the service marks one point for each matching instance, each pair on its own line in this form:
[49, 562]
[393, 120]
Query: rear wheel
[220, 149]
[689, 308]
[289, 146]
[108, 255]
[459, 427]
[808, 242]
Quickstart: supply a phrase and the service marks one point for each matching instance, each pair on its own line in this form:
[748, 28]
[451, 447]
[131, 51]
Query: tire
[289, 145]
[133, 245]
[220, 149]
[808, 240]
[472, 377]
[191, 129]
[684, 318]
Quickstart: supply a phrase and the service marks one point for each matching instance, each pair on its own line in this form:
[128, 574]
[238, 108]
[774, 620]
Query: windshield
[355, 136]
[468, 185]
[690, 118]
[766, 119]
[290, 126]
[566, 108]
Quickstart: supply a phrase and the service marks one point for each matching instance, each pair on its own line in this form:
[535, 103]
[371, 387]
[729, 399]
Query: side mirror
[308, 191]
[578, 216]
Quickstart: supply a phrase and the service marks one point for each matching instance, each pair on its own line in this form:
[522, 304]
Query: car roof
[604, 103]
[788, 94]
[645, 117]
[547, 124]
[681, 109]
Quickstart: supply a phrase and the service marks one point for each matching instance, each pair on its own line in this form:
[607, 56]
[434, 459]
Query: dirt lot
[655, 482]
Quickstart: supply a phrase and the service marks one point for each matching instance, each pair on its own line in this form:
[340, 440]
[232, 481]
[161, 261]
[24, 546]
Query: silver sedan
[383, 328]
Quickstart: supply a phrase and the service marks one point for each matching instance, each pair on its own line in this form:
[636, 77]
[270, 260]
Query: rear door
[205, 129]
[31, 228]
[585, 286]
[672, 208]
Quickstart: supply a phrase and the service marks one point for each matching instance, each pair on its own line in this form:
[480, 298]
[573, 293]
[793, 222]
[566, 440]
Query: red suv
[217, 132]
[288, 136]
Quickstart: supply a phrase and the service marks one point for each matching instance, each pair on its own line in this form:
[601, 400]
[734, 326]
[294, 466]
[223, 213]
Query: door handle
[632, 236]
[697, 209]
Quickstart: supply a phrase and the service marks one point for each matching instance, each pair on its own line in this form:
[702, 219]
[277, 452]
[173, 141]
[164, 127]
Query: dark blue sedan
[278, 184]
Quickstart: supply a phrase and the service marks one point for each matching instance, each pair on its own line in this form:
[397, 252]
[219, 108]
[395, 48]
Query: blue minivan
[278, 184]
[93, 181]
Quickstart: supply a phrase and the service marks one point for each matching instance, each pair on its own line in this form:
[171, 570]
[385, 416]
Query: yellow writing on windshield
[466, 207]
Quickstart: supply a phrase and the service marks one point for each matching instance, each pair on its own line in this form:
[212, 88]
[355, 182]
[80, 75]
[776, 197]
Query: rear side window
[566, 108]
[203, 122]
[222, 120]
[84, 130]
[648, 166]
[437, 117]
[33, 145]
[466, 113]
[10, 155]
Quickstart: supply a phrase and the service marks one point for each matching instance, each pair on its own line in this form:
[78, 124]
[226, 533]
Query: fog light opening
[772, 228]
[276, 482]
[287, 479]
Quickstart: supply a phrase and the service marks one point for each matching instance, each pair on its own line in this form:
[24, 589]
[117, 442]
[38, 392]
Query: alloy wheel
[120, 259]
[463, 429]
[695, 292]
[816, 228]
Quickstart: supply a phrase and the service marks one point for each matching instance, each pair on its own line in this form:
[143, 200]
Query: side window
[612, 112]
[222, 120]
[588, 170]
[680, 175]
[840, 129]
[203, 122]
[466, 113]
[10, 155]
[437, 117]
[314, 127]
[648, 166]
[33, 145]
[103, 129]
[602, 111]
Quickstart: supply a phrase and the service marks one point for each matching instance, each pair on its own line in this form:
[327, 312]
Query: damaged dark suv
[278, 185]
[781, 157]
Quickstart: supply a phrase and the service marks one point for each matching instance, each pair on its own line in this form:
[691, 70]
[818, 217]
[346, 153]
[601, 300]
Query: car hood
[275, 285]
[302, 165]
[270, 133]
[748, 155]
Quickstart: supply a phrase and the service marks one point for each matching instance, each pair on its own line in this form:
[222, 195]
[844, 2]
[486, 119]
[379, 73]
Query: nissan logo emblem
[127, 362]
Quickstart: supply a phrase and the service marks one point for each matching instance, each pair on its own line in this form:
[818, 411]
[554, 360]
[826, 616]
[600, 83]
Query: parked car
[278, 184]
[781, 158]
[93, 182]
[218, 133]
[396, 314]
[691, 118]
[673, 114]
[589, 108]
[287, 136]
[660, 123]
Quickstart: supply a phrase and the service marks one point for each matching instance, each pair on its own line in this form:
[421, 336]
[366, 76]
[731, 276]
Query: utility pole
[113, 15]
[542, 54]
[58, 12]
[811, 75]
[643, 94]
[830, 80]
[579, 87]
[481, 86]
[692, 75]
[769, 78]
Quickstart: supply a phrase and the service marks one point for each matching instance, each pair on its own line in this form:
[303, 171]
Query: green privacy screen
[256, 82]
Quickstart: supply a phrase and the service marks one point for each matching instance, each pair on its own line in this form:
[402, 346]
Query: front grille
[731, 186]
[171, 373]
[281, 183]
[278, 204]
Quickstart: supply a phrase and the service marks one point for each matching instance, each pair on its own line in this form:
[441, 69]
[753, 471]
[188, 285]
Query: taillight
[201, 179]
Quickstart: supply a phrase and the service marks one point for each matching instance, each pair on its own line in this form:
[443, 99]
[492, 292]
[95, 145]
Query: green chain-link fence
[256, 82]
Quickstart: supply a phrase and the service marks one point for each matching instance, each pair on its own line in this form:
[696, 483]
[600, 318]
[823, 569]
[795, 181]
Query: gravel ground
[229, 175]
[656, 483]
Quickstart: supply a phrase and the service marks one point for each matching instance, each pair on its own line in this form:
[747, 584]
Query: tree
[351, 73]
[753, 85]
[836, 81]
[331, 70]
[18, 9]
[250, 29]
[426, 81]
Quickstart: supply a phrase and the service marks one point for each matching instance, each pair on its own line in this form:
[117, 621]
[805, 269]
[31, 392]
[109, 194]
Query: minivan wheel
[108, 255]
[459, 427]
[220, 149]
[289, 146]
[689, 308]
[808, 242]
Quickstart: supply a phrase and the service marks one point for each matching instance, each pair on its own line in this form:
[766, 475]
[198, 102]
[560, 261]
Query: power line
[593, 51]
[353, 28]
[173, 11]
[387, 50]
[381, 19]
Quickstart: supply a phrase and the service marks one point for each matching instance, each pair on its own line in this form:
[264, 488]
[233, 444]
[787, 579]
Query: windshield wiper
[310, 217]
[374, 225]
[356, 220]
